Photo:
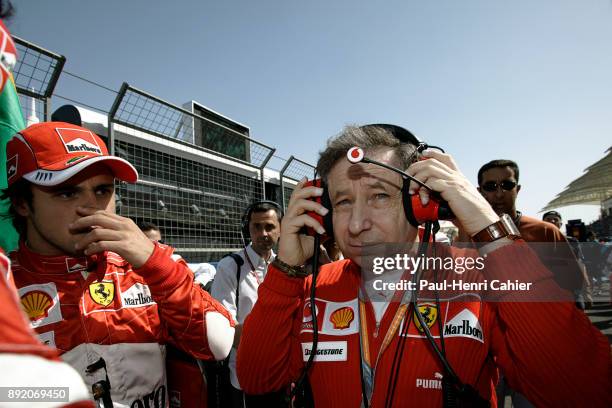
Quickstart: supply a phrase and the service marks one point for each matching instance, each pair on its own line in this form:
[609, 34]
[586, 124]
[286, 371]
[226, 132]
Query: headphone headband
[401, 134]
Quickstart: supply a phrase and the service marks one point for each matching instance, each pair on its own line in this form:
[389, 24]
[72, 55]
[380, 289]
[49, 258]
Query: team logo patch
[11, 167]
[430, 383]
[41, 304]
[136, 296]
[79, 141]
[76, 264]
[36, 305]
[333, 318]
[326, 351]
[459, 317]
[103, 293]
[429, 311]
[464, 324]
[75, 159]
[342, 318]
[307, 314]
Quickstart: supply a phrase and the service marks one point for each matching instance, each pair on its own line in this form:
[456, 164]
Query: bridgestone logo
[139, 300]
[325, 352]
[82, 148]
[464, 329]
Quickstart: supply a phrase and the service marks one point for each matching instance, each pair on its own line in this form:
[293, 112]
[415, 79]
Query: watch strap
[504, 227]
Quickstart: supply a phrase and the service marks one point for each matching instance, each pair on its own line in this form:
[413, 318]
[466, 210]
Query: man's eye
[66, 194]
[381, 196]
[342, 203]
[103, 191]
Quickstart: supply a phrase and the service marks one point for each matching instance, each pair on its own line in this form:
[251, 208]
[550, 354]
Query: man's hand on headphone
[440, 172]
[295, 248]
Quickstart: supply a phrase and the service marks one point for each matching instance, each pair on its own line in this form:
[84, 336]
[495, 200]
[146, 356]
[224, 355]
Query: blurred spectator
[240, 274]
[498, 182]
[584, 297]
[152, 231]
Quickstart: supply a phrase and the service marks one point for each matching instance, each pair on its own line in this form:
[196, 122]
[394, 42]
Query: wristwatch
[503, 228]
[295, 271]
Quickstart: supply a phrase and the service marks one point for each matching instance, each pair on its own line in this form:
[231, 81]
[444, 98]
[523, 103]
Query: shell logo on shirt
[36, 304]
[41, 303]
[337, 318]
[103, 293]
[342, 318]
[429, 311]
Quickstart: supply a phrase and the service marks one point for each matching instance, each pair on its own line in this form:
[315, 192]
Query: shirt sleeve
[269, 355]
[224, 286]
[548, 350]
[185, 309]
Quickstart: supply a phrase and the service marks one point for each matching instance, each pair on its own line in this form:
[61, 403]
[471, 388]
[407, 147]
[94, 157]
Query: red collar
[62, 264]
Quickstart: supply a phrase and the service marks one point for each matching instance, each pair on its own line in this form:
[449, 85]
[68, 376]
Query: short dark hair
[148, 226]
[553, 213]
[369, 138]
[21, 190]
[500, 163]
[260, 207]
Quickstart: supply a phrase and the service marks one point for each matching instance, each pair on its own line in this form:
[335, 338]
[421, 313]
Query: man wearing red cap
[93, 285]
[27, 365]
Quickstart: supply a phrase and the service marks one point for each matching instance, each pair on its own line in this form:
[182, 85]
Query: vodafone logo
[79, 141]
[307, 316]
[355, 154]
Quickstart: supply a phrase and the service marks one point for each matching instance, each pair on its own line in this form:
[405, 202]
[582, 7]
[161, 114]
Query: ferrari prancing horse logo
[102, 293]
[430, 314]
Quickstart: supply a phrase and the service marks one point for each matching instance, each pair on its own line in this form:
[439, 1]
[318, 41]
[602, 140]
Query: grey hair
[370, 139]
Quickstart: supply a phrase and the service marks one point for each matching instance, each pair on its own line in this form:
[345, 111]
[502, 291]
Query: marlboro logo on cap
[49, 153]
[78, 140]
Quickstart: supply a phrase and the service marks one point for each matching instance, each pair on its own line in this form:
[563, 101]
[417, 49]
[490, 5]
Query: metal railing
[294, 169]
[36, 74]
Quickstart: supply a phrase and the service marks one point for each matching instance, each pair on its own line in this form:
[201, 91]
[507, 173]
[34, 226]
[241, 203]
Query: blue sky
[525, 80]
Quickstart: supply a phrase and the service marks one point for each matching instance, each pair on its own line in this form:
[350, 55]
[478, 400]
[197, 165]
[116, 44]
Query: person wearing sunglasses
[498, 182]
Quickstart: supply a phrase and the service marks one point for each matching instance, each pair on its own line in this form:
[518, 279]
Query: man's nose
[89, 199]
[360, 218]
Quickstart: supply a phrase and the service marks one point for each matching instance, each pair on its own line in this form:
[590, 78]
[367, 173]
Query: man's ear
[21, 206]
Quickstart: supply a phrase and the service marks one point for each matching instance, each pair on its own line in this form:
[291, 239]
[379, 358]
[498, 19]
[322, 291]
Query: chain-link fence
[198, 169]
[196, 175]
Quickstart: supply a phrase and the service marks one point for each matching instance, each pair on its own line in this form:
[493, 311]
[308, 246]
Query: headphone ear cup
[328, 218]
[407, 201]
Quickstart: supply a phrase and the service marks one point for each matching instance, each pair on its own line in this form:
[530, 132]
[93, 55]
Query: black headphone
[414, 211]
[246, 217]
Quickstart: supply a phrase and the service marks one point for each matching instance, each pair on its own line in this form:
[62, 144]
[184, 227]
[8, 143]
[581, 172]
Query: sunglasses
[491, 186]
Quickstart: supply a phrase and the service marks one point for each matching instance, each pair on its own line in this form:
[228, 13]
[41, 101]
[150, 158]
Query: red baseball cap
[49, 153]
